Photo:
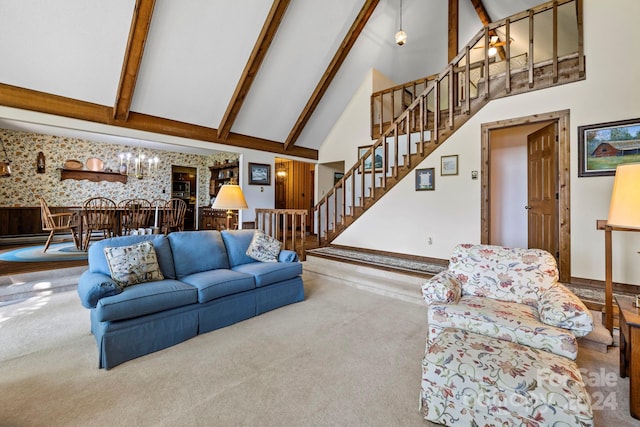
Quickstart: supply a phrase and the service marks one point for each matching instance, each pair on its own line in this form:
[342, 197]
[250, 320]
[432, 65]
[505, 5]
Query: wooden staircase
[470, 81]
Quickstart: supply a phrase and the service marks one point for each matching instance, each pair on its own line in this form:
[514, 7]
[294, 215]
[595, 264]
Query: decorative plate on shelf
[72, 164]
[95, 165]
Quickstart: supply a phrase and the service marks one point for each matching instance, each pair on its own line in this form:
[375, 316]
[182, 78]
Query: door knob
[528, 207]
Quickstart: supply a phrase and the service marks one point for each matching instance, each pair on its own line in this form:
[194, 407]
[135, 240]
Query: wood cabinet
[212, 219]
[222, 174]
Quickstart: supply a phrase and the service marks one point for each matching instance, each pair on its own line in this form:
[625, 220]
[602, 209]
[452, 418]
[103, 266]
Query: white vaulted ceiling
[196, 51]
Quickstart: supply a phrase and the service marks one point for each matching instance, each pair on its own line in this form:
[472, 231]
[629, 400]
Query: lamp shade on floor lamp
[624, 210]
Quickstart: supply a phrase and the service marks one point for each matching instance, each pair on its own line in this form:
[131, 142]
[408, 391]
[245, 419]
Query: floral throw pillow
[442, 287]
[264, 248]
[558, 306]
[133, 264]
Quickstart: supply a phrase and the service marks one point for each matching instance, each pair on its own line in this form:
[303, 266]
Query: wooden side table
[630, 350]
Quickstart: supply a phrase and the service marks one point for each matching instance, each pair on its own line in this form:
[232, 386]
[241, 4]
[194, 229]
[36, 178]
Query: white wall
[404, 218]
[508, 185]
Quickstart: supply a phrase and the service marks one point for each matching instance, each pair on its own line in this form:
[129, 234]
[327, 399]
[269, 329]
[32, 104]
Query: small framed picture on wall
[259, 174]
[449, 165]
[425, 179]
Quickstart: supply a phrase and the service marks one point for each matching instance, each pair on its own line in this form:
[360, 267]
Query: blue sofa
[209, 283]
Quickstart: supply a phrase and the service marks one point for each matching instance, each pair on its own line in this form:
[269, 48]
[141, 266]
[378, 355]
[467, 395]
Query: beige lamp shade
[230, 197]
[624, 210]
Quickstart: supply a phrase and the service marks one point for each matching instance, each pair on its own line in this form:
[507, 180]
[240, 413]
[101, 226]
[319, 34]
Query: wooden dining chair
[173, 215]
[98, 214]
[58, 222]
[134, 214]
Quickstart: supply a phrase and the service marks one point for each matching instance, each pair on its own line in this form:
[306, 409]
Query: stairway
[469, 82]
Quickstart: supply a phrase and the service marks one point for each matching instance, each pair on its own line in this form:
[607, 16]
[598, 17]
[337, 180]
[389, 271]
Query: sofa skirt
[125, 340]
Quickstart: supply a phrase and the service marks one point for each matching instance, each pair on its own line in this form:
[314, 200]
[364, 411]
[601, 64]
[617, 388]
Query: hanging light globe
[401, 37]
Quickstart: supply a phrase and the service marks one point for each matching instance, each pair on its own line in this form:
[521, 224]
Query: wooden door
[542, 185]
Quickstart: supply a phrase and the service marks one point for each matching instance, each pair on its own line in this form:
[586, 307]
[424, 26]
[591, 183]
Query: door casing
[564, 178]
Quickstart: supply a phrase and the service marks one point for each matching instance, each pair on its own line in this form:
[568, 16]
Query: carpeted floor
[343, 357]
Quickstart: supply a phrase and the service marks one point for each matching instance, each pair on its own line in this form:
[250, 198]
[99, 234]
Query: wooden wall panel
[294, 189]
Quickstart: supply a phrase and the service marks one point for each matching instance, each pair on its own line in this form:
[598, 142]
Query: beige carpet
[343, 357]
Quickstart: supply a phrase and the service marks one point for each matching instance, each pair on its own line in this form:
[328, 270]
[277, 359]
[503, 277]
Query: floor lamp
[230, 197]
[624, 215]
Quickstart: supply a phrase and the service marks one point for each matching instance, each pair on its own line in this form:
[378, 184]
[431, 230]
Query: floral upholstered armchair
[507, 293]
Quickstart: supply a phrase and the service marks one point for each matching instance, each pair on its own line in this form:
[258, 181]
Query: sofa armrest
[443, 287]
[560, 307]
[287, 256]
[93, 286]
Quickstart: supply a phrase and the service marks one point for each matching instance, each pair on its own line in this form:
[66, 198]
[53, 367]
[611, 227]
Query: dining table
[118, 211]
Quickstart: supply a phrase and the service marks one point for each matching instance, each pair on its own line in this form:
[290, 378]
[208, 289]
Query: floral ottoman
[472, 379]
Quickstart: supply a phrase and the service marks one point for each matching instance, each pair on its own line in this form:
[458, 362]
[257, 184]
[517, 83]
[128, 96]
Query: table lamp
[230, 197]
[624, 215]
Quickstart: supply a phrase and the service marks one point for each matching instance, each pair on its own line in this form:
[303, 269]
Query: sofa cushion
[560, 307]
[133, 264]
[507, 274]
[219, 283]
[266, 273]
[98, 262]
[145, 298]
[197, 251]
[264, 248]
[501, 319]
[237, 242]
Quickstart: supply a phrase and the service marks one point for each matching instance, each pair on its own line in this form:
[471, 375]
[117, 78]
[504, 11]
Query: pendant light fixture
[5, 167]
[401, 36]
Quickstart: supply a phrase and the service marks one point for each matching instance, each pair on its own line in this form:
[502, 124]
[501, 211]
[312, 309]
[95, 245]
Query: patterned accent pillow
[264, 248]
[442, 287]
[560, 307]
[133, 264]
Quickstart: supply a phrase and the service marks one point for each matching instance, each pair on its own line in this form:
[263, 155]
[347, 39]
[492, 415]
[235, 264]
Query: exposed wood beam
[453, 28]
[339, 57]
[486, 20]
[265, 38]
[140, 23]
[16, 97]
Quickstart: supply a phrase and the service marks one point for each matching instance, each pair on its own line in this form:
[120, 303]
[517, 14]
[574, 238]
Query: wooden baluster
[421, 127]
[294, 215]
[487, 41]
[303, 230]
[555, 41]
[451, 92]
[362, 180]
[530, 58]
[580, 39]
[436, 112]
[285, 226]
[507, 51]
[396, 161]
[408, 142]
[344, 200]
[467, 81]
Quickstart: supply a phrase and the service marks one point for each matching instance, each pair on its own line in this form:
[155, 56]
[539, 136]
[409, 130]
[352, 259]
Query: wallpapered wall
[24, 184]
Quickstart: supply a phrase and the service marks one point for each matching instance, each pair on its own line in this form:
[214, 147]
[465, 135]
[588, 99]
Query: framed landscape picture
[259, 174]
[367, 162]
[604, 146]
[449, 165]
[425, 179]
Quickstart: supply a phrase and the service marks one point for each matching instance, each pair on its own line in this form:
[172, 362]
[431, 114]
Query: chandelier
[139, 166]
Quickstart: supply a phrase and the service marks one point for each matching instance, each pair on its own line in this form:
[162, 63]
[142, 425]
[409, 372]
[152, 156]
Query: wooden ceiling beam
[27, 99]
[453, 29]
[140, 23]
[269, 29]
[339, 57]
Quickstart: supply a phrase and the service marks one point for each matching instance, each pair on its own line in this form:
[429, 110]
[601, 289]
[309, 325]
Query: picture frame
[604, 146]
[337, 176]
[449, 165]
[259, 174]
[367, 162]
[426, 179]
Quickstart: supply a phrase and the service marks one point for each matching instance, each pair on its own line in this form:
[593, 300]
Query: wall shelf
[92, 176]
